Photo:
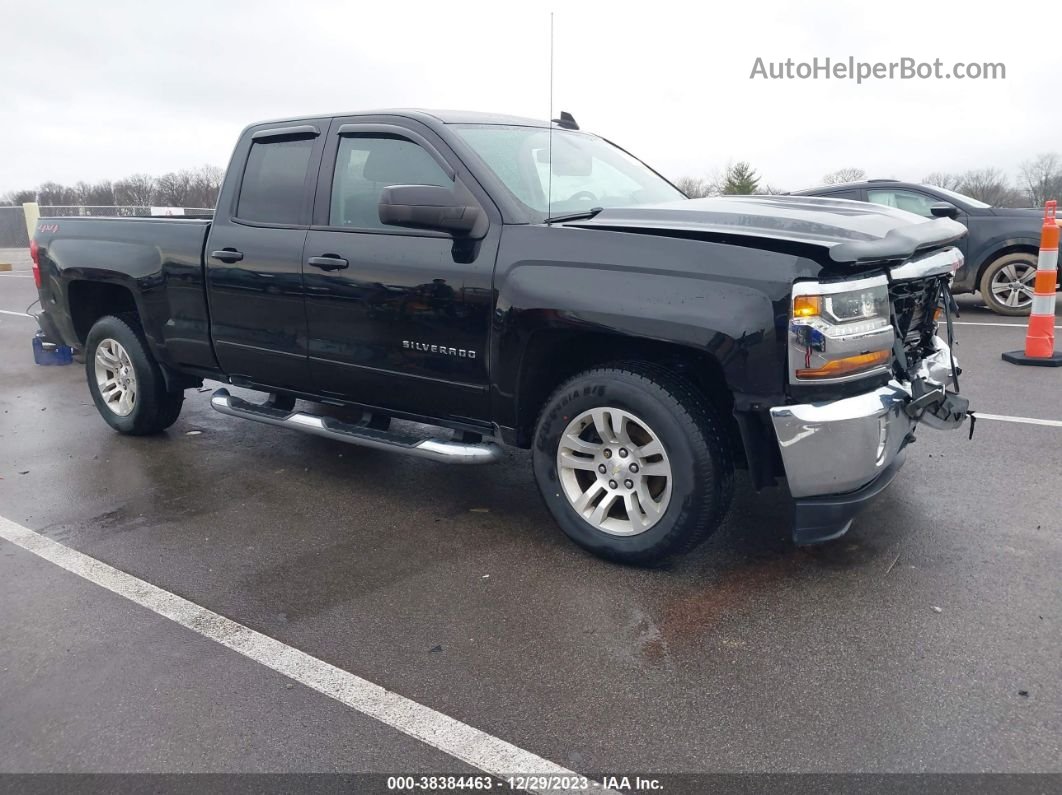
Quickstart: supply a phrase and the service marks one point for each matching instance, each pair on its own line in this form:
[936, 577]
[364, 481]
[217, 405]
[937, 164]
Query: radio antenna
[549, 153]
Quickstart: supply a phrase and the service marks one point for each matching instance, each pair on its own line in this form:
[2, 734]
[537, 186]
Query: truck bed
[157, 262]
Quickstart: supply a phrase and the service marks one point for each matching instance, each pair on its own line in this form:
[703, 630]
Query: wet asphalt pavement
[928, 639]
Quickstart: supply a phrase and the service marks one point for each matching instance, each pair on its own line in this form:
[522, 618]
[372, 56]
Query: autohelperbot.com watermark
[850, 68]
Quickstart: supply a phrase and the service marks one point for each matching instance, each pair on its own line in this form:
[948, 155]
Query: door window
[917, 203]
[365, 165]
[274, 181]
[852, 194]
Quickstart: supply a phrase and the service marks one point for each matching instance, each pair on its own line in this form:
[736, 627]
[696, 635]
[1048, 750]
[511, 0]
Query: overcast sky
[99, 89]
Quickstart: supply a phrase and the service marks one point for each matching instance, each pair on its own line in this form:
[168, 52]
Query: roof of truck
[444, 116]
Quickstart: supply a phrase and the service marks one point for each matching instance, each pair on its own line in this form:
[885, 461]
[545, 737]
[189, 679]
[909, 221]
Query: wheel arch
[1007, 247]
[88, 301]
[552, 356]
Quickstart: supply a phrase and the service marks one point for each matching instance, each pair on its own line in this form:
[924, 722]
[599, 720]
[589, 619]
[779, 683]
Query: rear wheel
[630, 460]
[1007, 284]
[126, 382]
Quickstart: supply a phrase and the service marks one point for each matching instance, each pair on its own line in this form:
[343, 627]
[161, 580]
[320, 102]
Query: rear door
[254, 258]
[397, 318]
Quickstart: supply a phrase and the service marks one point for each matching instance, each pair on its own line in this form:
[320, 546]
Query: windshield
[587, 171]
[960, 197]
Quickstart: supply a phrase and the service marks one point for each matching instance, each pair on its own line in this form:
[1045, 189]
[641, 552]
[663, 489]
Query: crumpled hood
[852, 231]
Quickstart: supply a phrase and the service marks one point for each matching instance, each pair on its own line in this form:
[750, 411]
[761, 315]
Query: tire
[119, 362]
[1020, 266]
[659, 517]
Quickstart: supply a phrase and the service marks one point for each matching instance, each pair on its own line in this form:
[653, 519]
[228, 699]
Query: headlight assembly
[839, 331]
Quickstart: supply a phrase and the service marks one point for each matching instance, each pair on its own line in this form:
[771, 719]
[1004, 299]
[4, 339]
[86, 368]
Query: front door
[254, 260]
[398, 318]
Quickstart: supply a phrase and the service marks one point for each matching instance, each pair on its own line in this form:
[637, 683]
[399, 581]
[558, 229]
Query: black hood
[851, 231]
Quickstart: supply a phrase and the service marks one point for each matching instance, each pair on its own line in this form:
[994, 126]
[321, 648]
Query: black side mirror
[427, 207]
[944, 210]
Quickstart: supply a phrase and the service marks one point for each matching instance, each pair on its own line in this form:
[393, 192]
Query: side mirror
[944, 210]
[427, 207]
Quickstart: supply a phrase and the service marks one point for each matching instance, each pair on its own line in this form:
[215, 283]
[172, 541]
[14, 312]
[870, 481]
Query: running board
[446, 450]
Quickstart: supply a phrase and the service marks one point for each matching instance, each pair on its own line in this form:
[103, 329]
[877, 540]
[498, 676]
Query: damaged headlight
[840, 331]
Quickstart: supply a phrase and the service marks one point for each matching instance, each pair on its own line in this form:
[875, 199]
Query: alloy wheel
[1012, 285]
[614, 471]
[115, 377]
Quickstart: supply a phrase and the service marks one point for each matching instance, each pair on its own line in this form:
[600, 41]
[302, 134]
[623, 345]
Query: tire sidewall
[986, 283]
[144, 370]
[680, 436]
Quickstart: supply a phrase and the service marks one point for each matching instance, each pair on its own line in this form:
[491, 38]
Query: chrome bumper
[844, 446]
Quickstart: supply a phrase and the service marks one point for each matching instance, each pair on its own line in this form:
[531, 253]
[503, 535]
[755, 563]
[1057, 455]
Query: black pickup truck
[513, 281]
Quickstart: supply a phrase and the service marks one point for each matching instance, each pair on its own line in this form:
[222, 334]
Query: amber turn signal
[846, 366]
[807, 306]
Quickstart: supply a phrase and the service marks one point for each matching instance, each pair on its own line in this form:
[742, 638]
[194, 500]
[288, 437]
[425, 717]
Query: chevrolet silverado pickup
[510, 281]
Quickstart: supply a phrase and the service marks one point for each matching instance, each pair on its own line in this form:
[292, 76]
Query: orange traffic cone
[1040, 338]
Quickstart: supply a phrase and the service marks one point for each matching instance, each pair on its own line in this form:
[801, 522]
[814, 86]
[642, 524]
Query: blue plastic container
[46, 353]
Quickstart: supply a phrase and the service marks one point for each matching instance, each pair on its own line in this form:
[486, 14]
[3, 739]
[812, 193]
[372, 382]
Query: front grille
[913, 306]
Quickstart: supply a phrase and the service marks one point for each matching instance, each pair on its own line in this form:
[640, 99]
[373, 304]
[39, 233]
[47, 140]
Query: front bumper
[841, 454]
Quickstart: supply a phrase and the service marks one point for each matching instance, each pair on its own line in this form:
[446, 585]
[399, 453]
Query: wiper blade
[575, 216]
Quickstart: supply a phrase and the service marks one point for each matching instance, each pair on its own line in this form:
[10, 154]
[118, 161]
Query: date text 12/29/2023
[529, 783]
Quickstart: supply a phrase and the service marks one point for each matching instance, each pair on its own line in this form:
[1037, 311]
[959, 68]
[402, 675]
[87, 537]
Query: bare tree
[1042, 178]
[137, 191]
[175, 189]
[99, 194]
[943, 179]
[186, 188]
[190, 188]
[18, 197]
[696, 187]
[990, 186]
[205, 185]
[52, 194]
[843, 175]
[771, 190]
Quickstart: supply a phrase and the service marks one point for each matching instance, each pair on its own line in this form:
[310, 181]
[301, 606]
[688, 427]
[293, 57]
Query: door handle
[227, 255]
[329, 262]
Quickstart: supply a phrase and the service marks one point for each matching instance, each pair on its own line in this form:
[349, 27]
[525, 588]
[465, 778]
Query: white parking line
[1022, 420]
[479, 749]
[17, 275]
[1004, 325]
[16, 314]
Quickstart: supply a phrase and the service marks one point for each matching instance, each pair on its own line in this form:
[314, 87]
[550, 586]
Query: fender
[730, 302]
[81, 259]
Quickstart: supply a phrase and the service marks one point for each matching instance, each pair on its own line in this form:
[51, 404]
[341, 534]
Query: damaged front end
[919, 292]
[839, 454]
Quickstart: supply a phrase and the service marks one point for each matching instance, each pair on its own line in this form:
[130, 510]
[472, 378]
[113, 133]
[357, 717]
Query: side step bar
[446, 450]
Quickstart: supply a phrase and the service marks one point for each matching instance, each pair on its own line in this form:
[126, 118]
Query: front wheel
[632, 463]
[126, 382]
[1007, 284]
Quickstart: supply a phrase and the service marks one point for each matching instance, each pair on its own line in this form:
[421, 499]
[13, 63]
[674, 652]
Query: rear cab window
[273, 189]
